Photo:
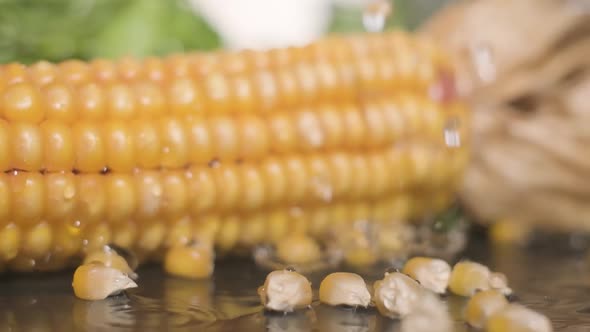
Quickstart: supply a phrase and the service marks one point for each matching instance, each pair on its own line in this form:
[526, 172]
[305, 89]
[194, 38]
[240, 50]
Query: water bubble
[451, 134]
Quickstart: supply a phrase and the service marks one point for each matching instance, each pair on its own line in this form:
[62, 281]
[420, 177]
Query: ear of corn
[222, 146]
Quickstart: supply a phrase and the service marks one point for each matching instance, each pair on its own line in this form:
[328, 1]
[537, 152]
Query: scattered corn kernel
[431, 273]
[95, 281]
[430, 314]
[343, 288]
[396, 295]
[285, 291]
[469, 277]
[110, 258]
[482, 305]
[192, 261]
[517, 318]
[298, 249]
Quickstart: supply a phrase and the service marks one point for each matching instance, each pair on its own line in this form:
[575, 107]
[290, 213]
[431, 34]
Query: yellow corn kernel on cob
[236, 147]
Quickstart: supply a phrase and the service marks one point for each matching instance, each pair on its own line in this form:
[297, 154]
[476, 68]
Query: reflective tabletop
[549, 278]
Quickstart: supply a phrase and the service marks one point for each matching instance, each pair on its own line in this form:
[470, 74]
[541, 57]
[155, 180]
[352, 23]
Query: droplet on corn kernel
[396, 295]
[110, 258]
[192, 261]
[431, 273]
[517, 318]
[298, 249]
[482, 305]
[95, 281]
[285, 291]
[343, 288]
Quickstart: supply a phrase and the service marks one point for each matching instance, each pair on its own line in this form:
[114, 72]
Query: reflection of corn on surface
[238, 148]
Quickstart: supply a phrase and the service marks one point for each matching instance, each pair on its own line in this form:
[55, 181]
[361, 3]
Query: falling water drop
[375, 15]
[451, 134]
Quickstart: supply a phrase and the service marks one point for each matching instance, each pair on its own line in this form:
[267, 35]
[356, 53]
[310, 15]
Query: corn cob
[226, 145]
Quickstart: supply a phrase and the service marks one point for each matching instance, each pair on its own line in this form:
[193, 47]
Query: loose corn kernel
[396, 295]
[298, 249]
[95, 281]
[342, 288]
[430, 314]
[110, 258]
[482, 305]
[431, 273]
[285, 291]
[517, 318]
[469, 277]
[191, 261]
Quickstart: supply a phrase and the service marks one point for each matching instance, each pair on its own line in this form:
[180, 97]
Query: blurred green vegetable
[31, 30]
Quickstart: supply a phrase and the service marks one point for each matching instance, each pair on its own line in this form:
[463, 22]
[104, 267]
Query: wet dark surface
[551, 280]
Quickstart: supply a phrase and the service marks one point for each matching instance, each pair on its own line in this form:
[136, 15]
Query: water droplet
[483, 60]
[375, 15]
[74, 228]
[451, 134]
